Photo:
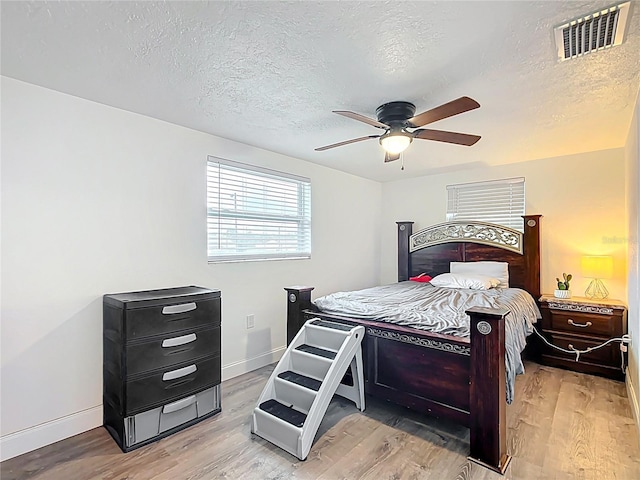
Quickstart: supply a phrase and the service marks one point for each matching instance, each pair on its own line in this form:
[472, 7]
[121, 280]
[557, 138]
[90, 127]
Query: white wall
[632, 156]
[98, 200]
[581, 198]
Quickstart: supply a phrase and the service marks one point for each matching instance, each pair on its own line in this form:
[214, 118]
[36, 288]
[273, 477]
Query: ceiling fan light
[395, 144]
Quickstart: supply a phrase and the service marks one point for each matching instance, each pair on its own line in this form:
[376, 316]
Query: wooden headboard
[430, 250]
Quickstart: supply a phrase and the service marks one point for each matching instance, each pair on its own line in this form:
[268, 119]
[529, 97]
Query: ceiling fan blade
[361, 118]
[461, 105]
[448, 137]
[390, 157]
[346, 142]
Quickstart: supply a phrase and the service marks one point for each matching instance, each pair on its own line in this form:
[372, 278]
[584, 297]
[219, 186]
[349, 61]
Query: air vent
[593, 32]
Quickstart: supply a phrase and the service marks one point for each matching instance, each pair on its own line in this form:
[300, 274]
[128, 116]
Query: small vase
[562, 293]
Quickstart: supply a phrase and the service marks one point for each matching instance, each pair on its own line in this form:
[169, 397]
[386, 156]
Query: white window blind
[497, 201]
[254, 213]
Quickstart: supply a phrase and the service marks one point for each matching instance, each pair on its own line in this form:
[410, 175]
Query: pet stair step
[334, 325]
[283, 412]
[319, 352]
[326, 334]
[299, 379]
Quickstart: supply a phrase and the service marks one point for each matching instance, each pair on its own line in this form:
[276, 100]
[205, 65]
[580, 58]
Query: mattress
[442, 310]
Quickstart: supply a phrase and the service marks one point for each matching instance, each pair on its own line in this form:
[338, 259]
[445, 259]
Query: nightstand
[581, 322]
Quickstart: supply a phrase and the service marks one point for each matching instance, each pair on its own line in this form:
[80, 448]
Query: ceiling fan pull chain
[402, 160]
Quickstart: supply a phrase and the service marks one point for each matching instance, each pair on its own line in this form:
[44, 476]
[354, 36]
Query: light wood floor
[562, 425]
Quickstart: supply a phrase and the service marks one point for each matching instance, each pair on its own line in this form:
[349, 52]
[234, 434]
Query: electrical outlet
[251, 321]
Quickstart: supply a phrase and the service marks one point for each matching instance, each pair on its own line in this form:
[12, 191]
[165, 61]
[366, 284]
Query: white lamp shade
[597, 266]
[395, 143]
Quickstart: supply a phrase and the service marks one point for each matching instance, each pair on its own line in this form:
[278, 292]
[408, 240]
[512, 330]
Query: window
[255, 214]
[497, 201]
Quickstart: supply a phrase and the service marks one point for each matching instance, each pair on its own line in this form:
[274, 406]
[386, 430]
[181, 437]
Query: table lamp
[597, 267]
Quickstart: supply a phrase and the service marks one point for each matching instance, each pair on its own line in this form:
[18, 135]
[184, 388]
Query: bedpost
[488, 416]
[298, 299]
[532, 254]
[404, 263]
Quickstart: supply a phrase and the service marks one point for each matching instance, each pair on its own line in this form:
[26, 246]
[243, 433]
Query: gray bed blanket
[441, 310]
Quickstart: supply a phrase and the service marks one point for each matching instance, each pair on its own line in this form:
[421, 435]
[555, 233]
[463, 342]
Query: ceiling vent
[593, 32]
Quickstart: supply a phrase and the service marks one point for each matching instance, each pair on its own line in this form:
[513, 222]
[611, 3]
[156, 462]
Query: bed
[459, 378]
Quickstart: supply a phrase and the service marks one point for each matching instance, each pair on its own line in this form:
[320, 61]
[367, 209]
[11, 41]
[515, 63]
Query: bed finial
[299, 299]
[532, 257]
[405, 229]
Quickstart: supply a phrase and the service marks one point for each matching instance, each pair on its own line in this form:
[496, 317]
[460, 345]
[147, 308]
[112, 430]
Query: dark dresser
[581, 323]
[161, 362]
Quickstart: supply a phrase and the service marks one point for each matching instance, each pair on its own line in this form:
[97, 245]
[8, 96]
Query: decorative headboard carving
[474, 232]
[432, 249]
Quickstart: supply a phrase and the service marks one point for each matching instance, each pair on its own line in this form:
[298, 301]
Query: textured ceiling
[269, 73]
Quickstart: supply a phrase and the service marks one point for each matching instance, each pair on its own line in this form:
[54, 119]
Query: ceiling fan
[397, 118]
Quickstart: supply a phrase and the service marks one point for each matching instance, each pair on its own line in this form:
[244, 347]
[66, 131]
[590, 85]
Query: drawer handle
[179, 405]
[175, 341]
[173, 309]
[581, 325]
[181, 372]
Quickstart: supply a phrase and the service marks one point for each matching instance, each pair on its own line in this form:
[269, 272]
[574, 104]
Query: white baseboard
[47, 433]
[633, 400]
[32, 438]
[246, 366]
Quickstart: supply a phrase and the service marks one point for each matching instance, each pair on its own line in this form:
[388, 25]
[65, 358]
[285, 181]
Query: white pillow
[499, 270]
[457, 280]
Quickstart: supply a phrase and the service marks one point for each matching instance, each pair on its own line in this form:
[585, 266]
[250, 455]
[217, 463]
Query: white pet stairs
[298, 393]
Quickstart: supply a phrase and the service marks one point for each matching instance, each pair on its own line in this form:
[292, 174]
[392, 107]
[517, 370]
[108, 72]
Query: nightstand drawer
[607, 355]
[583, 323]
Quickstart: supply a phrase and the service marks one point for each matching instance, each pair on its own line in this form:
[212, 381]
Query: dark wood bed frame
[461, 379]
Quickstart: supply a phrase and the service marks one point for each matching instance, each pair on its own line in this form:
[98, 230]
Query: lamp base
[596, 290]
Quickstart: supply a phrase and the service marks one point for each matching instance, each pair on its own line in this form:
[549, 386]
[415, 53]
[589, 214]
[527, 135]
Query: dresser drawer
[157, 320]
[171, 383]
[171, 349]
[583, 323]
[151, 423]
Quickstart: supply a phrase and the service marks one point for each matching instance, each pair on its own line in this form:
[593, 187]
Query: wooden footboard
[459, 379]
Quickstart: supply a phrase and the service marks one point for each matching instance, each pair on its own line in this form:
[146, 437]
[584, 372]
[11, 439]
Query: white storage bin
[151, 423]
